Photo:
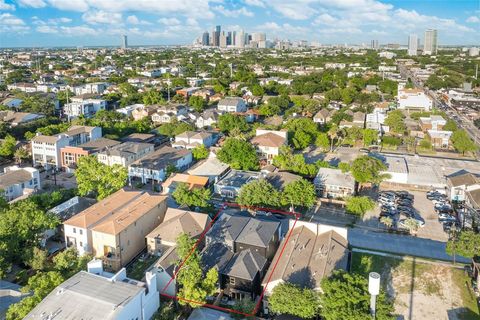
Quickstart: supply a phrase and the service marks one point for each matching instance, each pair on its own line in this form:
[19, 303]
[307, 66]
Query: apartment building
[114, 229]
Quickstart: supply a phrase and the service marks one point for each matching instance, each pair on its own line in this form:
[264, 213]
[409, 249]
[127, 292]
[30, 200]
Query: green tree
[245, 306]
[344, 167]
[200, 152]
[450, 126]
[39, 259]
[175, 128]
[192, 285]
[288, 161]
[395, 121]
[20, 155]
[467, 244]
[462, 142]
[359, 205]
[196, 197]
[238, 154]
[257, 90]
[258, 193]
[411, 225]
[370, 137]
[287, 298]
[332, 134]
[345, 296]
[366, 169]
[322, 141]
[68, 262]
[152, 97]
[97, 178]
[299, 193]
[197, 103]
[387, 221]
[228, 122]
[302, 132]
[8, 146]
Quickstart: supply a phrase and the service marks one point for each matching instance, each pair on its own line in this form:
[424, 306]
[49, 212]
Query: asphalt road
[400, 244]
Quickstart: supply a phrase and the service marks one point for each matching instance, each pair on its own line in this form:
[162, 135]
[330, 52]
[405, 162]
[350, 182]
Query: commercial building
[114, 229]
[124, 42]
[413, 99]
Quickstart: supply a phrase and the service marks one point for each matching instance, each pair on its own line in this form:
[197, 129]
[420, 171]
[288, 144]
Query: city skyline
[37, 23]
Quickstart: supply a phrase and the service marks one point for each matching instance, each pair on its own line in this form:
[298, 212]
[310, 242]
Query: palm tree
[412, 225]
[332, 134]
[387, 221]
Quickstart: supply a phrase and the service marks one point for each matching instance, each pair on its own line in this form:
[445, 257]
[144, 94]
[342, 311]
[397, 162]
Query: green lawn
[137, 269]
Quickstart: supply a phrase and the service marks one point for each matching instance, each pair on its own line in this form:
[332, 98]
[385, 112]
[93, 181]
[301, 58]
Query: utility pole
[476, 72]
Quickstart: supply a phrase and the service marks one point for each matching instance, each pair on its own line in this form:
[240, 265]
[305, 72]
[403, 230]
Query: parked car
[404, 195]
[448, 225]
[405, 208]
[405, 202]
[446, 217]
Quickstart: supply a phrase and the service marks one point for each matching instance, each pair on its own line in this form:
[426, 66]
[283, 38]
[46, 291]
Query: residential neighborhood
[240, 176]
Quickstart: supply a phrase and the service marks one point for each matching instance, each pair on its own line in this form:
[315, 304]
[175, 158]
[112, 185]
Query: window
[232, 281]
[81, 244]
[74, 230]
[80, 231]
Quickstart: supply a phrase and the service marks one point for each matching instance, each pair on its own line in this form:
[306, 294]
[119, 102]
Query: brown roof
[14, 177]
[179, 221]
[74, 130]
[45, 139]
[309, 257]
[324, 113]
[114, 213]
[462, 178]
[269, 139]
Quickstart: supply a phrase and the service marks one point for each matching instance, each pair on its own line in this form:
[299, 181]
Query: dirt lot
[422, 290]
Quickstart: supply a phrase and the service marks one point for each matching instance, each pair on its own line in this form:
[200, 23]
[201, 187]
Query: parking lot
[423, 208]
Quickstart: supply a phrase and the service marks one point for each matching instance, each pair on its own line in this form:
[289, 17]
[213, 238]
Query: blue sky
[101, 22]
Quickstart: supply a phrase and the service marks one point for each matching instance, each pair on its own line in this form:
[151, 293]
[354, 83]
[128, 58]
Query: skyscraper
[223, 40]
[259, 36]
[240, 39]
[412, 45]
[374, 45]
[430, 44]
[124, 42]
[218, 30]
[205, 39]
[234, 36]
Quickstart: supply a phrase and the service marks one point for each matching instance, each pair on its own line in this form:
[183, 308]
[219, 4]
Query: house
[176, 222]
[187, 92]
[142, 111]
[114, 229]
[240, 247]
[268, 143]
[413, 99]
[323, 116]
[11, 102]
[11, 293]
[125, 153]
[211, 168]
[440, 138]
[99, 295]
[84, 107]
[140, 138]
[165, 114]
[16, 182]
[207, 119]
[460, 183]
[279, 180]
[18, 118]
[312, 253]
[232, 104]
[153, 167]
[434, 122]
[128, 110]
[333, 183]
[359, 119]
[176, 178]
[71, 155]
[91, 88]
[230, 184]
[192, 139]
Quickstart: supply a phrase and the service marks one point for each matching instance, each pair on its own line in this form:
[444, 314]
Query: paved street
[400, 244]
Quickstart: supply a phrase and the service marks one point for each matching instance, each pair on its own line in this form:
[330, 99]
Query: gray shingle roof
[245, 265]
[258, 233]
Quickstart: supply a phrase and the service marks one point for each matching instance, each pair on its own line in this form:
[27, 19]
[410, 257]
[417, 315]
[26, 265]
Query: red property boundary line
[257, 306]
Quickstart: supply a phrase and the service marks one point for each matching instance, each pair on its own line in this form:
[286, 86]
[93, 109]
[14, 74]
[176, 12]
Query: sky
[42, 23]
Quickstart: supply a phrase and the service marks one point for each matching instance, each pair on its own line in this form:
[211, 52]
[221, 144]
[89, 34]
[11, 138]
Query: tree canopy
[238, 154]
[196, 197]
[467, 244]
[395, 121]
[287, 298]
[98, 178]
[359, 205]
[228, 122]
[258, 193]
[462, 142]
[368, 169]
[299, 193]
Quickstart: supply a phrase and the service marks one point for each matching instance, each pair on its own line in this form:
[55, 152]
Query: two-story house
[232, 104]
[16, 182]
[153, 167]
[207, 119]
[84, 107]
[333, 183]
[268, 143]
[166, 113]
[114, 229]
[125, 153]
[323, 116]
[141, 111]
[192, 139]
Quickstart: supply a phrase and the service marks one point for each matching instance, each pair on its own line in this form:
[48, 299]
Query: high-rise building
[124, 42]
[430, 42]
[412, 45]
[234, 35]
[374, 45]
[259, 36]
[223, 40]
[240, 39]
[229, 38]
[205, 39]
[218, 30]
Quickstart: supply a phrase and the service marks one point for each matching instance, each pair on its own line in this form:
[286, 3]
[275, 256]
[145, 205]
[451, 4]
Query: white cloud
[234, 13]
[6, 6]
[68, 30]
[47, 29]
[134, 20]
[473, 19]
[256, 3]
[169, 21]
[70, 5]
[12, 24]
[99, 16]
[32, 3]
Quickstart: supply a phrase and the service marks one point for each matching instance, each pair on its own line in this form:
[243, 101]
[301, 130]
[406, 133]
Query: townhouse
[232, 104]
[125, 153]
[193, 139]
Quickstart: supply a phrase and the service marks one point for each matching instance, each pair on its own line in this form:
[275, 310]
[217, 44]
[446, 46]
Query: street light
[374, 290]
